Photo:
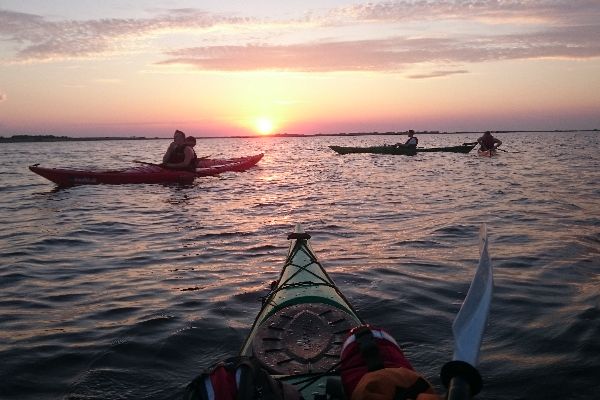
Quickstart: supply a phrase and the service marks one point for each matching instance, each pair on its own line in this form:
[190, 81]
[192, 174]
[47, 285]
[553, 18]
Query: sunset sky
[215, 68]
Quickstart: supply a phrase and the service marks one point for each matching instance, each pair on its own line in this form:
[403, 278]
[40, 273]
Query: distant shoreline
[53, 138]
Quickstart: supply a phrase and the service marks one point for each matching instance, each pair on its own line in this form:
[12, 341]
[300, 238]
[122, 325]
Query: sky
[226, 68]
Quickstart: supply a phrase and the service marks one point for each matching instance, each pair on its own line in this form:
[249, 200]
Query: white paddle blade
[469, 325]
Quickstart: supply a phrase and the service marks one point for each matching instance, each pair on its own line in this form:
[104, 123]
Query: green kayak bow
[304, 319]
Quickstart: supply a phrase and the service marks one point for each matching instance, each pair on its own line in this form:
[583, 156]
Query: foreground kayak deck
[399, 150]
[148, 173]
[298, 333]
[303, 323]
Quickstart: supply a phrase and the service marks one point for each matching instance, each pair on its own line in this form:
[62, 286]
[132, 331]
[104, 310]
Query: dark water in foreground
[127, 292]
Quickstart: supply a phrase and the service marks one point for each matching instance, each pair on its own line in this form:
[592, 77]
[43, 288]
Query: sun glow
[264, 126]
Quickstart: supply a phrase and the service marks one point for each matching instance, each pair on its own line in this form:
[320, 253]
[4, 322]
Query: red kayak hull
[144, 173]
[209, 167]
[141, 174]
[487, 153]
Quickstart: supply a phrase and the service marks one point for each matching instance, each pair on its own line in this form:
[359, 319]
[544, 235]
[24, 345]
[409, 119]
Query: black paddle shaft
[462, 380]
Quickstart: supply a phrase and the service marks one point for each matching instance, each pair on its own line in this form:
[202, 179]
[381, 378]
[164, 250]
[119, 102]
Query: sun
[264, 126]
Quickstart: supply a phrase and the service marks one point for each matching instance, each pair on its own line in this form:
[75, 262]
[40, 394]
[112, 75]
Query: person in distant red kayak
[488, 142]
[181, 154]
[412, 140]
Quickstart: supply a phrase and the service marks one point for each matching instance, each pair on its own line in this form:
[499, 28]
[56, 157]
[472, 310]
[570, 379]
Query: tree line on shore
[53, 138]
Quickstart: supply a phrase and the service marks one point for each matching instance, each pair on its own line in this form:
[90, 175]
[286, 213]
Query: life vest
[393, 384]
[487, 142]
[178, 156]
[193, 161]
[239, 378]
[373, 367]
[413, 141]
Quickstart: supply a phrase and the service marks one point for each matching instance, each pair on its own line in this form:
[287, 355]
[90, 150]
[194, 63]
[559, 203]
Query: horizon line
[54, 138]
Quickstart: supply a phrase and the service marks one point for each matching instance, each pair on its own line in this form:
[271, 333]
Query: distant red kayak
[148, 173]
[487, 153]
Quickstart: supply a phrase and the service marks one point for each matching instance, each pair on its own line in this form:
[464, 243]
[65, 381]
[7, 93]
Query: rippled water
[127, 292]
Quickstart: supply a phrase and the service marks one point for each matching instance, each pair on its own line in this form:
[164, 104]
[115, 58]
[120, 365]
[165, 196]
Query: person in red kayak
[488, 142]
[181, 155]
[174, 152]
[412, 140]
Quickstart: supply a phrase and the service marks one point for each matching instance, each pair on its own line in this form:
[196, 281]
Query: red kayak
[487, 153]
[148, 173]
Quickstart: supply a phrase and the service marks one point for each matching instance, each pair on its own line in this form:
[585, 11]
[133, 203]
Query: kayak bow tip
[298, 233]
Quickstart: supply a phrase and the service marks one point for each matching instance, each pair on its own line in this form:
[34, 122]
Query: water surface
[127, 292]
